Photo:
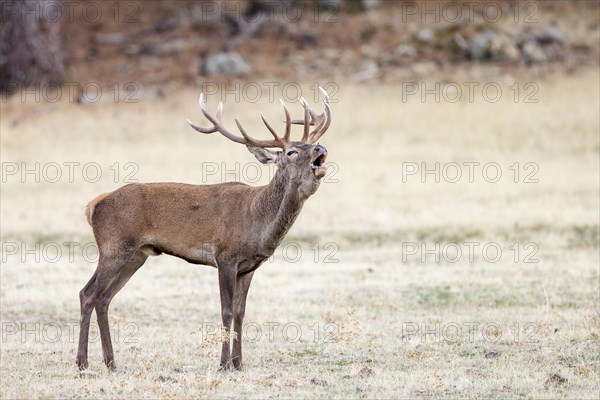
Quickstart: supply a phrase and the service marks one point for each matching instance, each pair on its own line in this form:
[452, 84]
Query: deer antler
[245, 139]
[322, 121]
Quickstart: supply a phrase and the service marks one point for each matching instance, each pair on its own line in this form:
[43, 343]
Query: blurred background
[463, 190]
[164, 43]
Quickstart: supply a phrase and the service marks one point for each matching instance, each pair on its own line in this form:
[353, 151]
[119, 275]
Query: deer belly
[203, 254]
[197, 254]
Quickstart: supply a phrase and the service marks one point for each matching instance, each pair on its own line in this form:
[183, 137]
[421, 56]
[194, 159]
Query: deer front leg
[227, 277]
[241, 292]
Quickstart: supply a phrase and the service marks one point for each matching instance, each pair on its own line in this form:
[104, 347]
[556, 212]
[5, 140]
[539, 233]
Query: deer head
[299, 162]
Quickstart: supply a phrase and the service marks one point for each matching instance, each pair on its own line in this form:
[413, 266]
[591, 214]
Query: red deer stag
[230, 226]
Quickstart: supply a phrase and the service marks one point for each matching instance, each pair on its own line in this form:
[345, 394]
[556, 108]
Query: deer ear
[263, 155]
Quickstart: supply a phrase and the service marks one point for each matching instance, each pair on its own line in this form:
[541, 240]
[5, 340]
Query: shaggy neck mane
[278, 205]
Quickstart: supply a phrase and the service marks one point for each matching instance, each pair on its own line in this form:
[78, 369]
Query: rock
[368, 4]
[534, 53]
[549, 34]
[491, 353]
[542, 44]
[363, 387]
[184, 368]
[369, 70]
[556, 379]
[425, 35]
[406, 50]
[167, 48]
[424, 68]
[481, 44]
[504, 47]
[115, 39]
[229, 63]
[319, 382]
[167, 379]
[366, 372]
[460, 41]
[491, 45]
[87, 375]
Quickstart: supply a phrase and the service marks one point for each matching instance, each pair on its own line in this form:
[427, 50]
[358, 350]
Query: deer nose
[320, 149]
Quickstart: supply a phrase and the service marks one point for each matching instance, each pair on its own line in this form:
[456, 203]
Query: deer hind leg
[227, 278]
[87, 297]
[109, 284]
[239, 309]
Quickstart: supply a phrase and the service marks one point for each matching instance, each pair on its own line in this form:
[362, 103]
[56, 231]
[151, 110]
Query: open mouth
[319, 167]
[319, 161]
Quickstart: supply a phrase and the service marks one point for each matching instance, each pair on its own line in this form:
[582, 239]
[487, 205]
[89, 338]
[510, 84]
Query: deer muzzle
[318, 162]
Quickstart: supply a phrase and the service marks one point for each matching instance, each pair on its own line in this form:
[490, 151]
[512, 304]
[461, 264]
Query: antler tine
[260, 143]
[242, 130]
[324, 125]
[217, 126]
[246, 139]
[288, 123]
[313, 118]
[199, 128]
[307, 114]
[220, 112]
[269, 127]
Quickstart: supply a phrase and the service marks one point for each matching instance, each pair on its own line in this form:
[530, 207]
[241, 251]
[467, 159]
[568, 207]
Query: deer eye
[289, 153]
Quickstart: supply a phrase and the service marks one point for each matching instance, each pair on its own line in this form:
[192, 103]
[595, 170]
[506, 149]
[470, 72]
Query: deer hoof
[226, 367]
[82, 364]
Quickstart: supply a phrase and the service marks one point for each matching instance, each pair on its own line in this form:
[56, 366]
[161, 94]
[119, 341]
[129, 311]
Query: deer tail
[89, 208]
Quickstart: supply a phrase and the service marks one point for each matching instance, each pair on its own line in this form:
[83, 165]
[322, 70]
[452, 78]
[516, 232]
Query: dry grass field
[390, 284]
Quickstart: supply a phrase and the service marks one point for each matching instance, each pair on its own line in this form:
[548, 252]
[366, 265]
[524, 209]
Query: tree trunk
[31, 44]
